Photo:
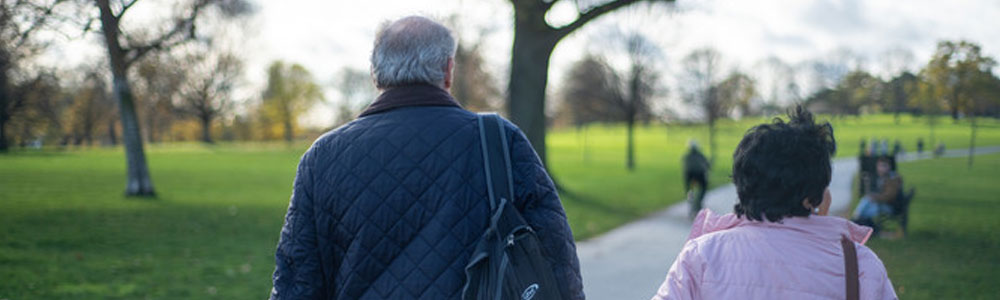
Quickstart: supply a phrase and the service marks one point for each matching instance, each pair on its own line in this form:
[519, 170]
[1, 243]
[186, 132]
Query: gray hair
[411, 50]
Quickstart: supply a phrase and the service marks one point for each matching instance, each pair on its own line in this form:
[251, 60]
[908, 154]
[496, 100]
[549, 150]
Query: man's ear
[449, 71]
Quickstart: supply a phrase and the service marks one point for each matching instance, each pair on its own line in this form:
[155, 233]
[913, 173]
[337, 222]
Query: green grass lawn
[68, 233]
[599, 194]
[952, 250]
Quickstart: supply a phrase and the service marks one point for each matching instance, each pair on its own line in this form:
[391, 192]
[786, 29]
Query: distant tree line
[957, 81]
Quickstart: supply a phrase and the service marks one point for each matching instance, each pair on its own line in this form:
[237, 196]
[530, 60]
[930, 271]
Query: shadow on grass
[168, 251]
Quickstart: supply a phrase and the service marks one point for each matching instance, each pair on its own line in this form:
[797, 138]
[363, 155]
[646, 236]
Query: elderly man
[392, 204]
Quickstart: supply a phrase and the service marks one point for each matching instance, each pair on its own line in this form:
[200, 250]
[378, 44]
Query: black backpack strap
[496, 159]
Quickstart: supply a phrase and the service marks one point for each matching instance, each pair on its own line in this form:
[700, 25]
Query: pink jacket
[727, 257]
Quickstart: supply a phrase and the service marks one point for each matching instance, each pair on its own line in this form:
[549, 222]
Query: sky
[328, 36]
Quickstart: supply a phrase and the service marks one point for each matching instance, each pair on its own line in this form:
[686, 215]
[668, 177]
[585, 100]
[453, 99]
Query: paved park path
[631, 261]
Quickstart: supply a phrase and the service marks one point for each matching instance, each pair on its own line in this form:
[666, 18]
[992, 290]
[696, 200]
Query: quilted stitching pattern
[390, 206]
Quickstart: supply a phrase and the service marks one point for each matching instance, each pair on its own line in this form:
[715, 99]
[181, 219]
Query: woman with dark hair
[779, 243]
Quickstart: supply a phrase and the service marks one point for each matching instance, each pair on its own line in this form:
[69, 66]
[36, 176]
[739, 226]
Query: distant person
[884, 147]
[920, 146]
[780, 243]
[864, 148]
[878, 200]
[939, 150]
[696, 168]
[897, 148]
[392, 204]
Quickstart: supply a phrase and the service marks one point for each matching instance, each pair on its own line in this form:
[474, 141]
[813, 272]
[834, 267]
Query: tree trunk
[954, 106]
[586, 154]
[930, 124]
[3, 132]
[112, 133]
[972, 139]
[151, 125]
[711, 140]
[206, 130]
[139, 182]
[531, 51]
[288, 129]
[630, 145]
[4, 100]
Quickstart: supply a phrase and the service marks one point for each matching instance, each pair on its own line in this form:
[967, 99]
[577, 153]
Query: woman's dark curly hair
[779, 164]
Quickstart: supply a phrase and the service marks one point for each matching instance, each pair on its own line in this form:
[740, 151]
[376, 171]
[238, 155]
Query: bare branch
[45, 13]
[544, 4]
[183, 31]
[593, 13]
[88, 26]
[125, 7]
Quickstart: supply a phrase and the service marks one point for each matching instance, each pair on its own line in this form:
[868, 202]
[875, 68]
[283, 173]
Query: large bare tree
[701, 78]
[596, 91]
[741, 90]
[207, 92]
[158, 85]
[474, 86]
[91, 107]
[125, 50]
[534, 40]
[356, 92]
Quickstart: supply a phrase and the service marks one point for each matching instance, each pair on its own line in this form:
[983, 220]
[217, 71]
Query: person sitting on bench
[878, 200]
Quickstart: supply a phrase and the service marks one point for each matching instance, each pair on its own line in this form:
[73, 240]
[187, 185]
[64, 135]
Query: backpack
[508, 262]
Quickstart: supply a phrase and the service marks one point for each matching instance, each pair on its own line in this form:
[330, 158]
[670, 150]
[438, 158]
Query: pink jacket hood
[826, 226]
[728, 257]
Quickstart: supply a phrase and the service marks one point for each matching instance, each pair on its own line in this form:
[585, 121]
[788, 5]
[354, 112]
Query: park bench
[900, 207]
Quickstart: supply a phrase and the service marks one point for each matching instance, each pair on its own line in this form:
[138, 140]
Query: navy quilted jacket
[391, 205]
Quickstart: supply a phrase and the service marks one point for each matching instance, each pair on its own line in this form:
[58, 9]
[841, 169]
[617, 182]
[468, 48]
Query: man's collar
[410, 95]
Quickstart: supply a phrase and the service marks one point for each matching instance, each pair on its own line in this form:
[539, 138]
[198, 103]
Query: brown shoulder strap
[851, 268]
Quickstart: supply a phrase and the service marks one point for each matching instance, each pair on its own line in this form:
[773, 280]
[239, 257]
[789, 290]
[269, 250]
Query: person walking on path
[779, 243]
[696, 168]
[392, 204]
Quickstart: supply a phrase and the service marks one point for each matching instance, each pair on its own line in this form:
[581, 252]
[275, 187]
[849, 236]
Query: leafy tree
[291, 91]
[740, 89]
[954, 70]
[859, 90]
[962, 76]
[899, 91]
[928, 102]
